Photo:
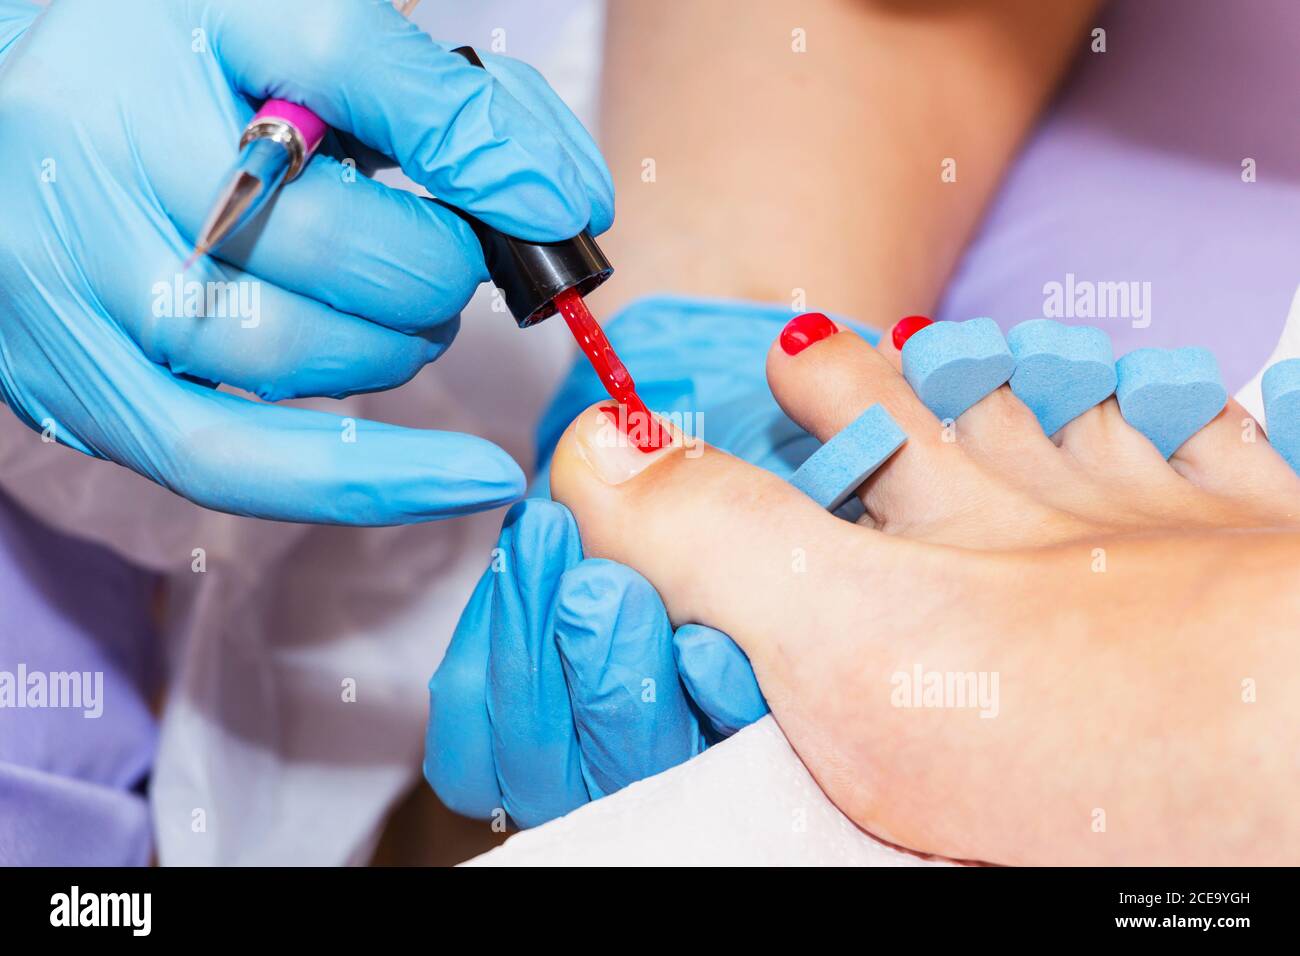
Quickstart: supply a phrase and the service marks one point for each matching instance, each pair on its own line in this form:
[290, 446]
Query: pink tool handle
[312, 127]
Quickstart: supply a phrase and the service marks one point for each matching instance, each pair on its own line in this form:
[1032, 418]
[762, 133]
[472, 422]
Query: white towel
[749, 801]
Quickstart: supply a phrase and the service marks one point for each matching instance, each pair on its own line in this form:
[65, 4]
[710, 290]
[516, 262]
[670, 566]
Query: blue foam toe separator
[1281, 387]
[1169, 394]
[952, 365]
[833, 472]
[1061, 370]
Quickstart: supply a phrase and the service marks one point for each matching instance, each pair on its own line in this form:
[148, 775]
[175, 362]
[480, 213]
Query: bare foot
[1123, 614]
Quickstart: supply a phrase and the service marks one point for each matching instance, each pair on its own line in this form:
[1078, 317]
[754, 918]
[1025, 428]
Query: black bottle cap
[531, 274]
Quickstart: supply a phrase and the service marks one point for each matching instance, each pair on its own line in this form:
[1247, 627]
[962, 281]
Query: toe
[1118, 457]
[826, 386]
[1231, 458]
[724, 543]
[1215, 479]
[1001, 433]
[931, 488]
[806, 595]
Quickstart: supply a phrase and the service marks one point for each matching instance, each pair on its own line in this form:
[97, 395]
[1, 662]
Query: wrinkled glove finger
[632, 715]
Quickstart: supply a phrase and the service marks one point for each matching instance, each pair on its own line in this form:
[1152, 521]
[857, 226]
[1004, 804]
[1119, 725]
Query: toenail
[613, 451]
[805, 330]
[908, 327]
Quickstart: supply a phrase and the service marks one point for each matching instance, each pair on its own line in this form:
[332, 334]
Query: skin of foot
[1132, 619]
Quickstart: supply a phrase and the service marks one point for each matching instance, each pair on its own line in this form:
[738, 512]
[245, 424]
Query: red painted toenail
[908, 327]
[803, 330]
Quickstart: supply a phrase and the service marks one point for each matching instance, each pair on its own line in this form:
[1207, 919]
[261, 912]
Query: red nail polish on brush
[539, 279]
[805, 330]
[908, 327]
[633, 419]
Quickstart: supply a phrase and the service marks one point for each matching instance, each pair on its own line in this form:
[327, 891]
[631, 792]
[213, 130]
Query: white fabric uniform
[261, 760]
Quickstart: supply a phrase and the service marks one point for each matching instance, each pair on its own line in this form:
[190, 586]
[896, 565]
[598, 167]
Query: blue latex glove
[119, 122]
[565, 680]
[562, 680]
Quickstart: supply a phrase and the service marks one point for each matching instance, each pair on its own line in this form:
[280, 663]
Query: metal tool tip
[195, 256]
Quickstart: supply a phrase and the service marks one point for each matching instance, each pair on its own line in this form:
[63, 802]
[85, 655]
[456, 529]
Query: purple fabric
[72, 787]
[1136, 176]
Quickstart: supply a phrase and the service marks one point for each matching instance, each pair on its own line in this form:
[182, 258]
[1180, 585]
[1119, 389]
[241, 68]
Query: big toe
[809, 598]
[725, 543]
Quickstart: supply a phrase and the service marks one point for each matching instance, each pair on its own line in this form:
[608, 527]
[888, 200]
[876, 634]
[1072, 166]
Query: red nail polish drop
[908, 327]
[633, 418]
[804, 330]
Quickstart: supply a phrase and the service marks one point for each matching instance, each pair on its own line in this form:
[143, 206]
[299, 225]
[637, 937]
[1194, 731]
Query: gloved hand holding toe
[560, 685]
[561, 663]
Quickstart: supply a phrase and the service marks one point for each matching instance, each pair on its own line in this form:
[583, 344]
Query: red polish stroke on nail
[640, 427]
